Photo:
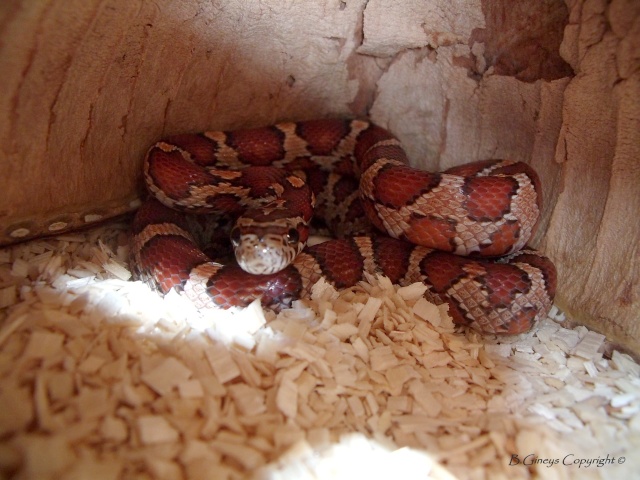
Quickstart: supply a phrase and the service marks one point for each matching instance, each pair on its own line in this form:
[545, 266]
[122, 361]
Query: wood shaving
[101, 378]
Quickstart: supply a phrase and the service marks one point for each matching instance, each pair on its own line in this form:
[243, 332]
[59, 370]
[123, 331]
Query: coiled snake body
[462, 232]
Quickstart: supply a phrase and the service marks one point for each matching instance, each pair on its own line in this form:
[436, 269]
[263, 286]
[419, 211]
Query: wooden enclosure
[87, 85]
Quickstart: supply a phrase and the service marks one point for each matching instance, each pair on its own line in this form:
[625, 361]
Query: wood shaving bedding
[101, 378]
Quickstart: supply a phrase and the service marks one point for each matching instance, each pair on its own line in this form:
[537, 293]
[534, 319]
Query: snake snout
[263, 255]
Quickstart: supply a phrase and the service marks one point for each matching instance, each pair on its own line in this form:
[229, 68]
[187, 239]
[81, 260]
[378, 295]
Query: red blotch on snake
[258, 146]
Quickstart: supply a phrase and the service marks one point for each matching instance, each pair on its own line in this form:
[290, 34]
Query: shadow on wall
[93, 85]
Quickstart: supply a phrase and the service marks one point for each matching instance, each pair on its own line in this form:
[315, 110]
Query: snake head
[267, 247]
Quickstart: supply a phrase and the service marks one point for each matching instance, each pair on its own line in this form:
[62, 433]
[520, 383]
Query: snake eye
[235, 236]
[293, 236]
